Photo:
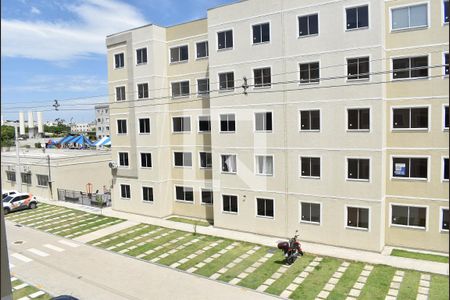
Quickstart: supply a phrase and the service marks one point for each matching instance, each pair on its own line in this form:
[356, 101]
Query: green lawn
[439, 287]
[377, 285]
[189, 221]
[347, 281]
[422, 256]
[26, 291]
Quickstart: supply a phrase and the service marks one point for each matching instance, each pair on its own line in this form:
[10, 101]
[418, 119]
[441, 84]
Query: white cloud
[35, 10]
[67, 40]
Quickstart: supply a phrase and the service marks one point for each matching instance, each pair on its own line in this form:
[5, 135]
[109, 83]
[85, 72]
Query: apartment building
[102, 120]
[273, 116]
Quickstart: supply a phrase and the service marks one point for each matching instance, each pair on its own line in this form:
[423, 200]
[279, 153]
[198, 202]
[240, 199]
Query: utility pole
[49, 177]
[18, 173]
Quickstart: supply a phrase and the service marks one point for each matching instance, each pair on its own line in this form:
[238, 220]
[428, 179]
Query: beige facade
[344, 208]
[64, 169]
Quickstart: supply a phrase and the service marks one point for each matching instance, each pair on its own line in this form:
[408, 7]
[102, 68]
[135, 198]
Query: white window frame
[137, 90]
[307, 15]
[256, 165]
[115, 93]
[369, 216]
[356, 5]
[198, 124]
[443, 64]
[179, 54]
[365, 80]
[184, 201]
[300, 119]
[114, 60]
[347, 108]
[217, 39]
[37, 180]
[410, 129]
[227, 90]
[262, 86]
[300, 212]
[254, 121]
[120, 191]
[428, 77]
[300, 166]
[181, 95]
[183, 166]
[184, 131]
[140, 159]
[235, 123]
[391, 162]
[441, 218]
[201, 196]
[427, 217]
[391, 30]
[299, 75]
[220, 163]
[200, 160]
[117, 126]
[443, 117]
[142, 194]
[118, 160]
[357, 179]
[196, 52]
[139, 125]
[442, 168]
[442, 13]
[251, 33]
[136, 56]
[198, 92]
[237, 204]
[256, 208]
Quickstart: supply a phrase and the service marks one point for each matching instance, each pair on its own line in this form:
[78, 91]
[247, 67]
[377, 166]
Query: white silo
[21, 123]
[30, 120]
[39, 122]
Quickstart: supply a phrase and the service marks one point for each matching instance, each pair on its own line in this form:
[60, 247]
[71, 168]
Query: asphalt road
[60, 266]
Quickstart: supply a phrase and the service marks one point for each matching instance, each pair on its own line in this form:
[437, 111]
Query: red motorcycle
[291, 249]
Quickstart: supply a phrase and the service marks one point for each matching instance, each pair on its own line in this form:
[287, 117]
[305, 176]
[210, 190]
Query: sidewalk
[318, 249]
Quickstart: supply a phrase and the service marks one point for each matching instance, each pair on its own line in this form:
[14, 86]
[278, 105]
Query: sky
[55, 49]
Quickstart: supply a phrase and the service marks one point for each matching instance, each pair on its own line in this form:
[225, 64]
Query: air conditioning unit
[112, 165]
[26, 169]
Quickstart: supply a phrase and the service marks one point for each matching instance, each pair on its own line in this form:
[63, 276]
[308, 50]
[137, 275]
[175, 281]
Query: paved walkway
[318, 249]
[105, 231]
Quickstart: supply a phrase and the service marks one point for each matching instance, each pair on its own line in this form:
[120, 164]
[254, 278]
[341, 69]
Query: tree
[7, 136]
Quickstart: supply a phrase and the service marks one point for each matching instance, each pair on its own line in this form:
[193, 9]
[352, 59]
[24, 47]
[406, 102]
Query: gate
[90, 199]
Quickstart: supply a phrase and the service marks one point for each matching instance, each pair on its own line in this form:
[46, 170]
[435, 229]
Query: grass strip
[378, 283]
[439, 287]
[265, 271]
[347, 281]
[236, 270]
[409, 286]
[154, 243]
[316, 280]
[189, 221]
[114, 238]
[88, 228]
[166, 247]
[421, 256]
[205, 255]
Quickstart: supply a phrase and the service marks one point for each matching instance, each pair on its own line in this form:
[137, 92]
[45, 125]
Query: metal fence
[91, 199]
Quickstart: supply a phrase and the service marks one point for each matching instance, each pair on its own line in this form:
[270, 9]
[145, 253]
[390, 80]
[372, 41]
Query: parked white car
[8, 193]
[19, 201]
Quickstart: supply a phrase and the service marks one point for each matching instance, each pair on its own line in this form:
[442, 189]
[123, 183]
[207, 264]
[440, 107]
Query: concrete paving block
[285, 294]
[358, 285]
[223, 270]
[393, 292]
[318, 259]
[303, 274]
[268, 255]
[238, 260]
[365, 273]
[314, 263]
[175, 265]
[242, 275]
[231, 265]
[120, 245]
[421, 297]
[215, 276]
[223, 251]
[251, 251]
[292, 287]
[141, 244]
[354, 293]
[141, 255]
[368, 267]
[269, 281]
[191, 256]
[342, 269]
[257, 264]
[262, 288]
[362, 279]
[395, 285]
[400, 273]
[390, 298]
[276, 275]
[397, 279]
[337, 275]
[215, 255]
[333, 280]
[425, 277]
[234, 281]
[191, 270]
[345, 264]
[424, 290]
[164, 255]
[172, 251]
[200, 265]
[298, 280]
[250, 270]
[132, 247]
[208, 260]
[424, 283]
[37, 294]
[309, 269]
[20, 286]
[229, 247]
[329, 287]
[13, 279]
[323, 295]
[24, 298]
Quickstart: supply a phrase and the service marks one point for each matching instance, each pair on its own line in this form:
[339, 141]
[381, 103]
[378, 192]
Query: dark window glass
[445, 168]
[309, 72]
[202, 49]
[310, 166]
[357, 217]
[310, 120]
[226, 81]
[401, 118]
[445, 218]
[418, 168]
[141, 55]
[207, 196]
[419, 117]
[204, 124]
[357, 17]
[265, 207]
[123, 159]
[446, 61]
[181, 124]
[203, 86]
[205, 160]
[401, 68]
[121, 126]
[183, 159]
[358, 68]
[410, 167]
[446, 117]
[358, 168]
[262, 77]
[310, 212]
[227, 123]
[180, 89]
[446, 13]
[229, 163]
[410, 117]
[144, 125]
[119, 60]
[225, 39]
[419, 66]
[179, 54]
[125, 191]
[358, 119]
[11, 176]
[120, 93]
[26, 178]
[147, 193]
[230, 203]
[184, 193]
[261, 33]
[263, 121]
[412, 67]
[146, 160]
[142, 90]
